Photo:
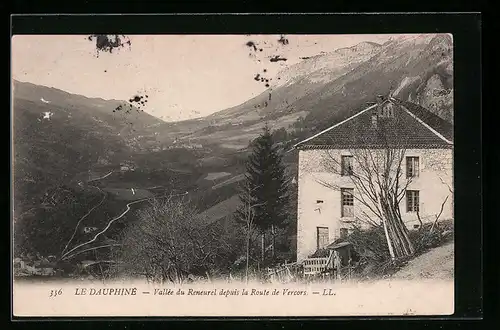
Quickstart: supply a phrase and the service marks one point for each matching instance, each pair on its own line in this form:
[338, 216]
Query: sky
[184, 76]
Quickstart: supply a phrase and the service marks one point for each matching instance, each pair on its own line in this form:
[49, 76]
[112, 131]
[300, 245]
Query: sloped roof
[335, 246]
[411, 127]
[434, 121]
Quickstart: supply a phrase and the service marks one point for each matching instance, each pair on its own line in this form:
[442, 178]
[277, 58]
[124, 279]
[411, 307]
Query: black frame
[466, 30]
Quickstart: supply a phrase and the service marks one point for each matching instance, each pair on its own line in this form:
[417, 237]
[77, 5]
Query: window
[346, 164]
[322, 237]
[412, 167]
[347, 202]
[343, 233]
[412, 201]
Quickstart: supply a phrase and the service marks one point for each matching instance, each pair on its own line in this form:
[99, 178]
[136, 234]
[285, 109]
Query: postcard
[232, 175]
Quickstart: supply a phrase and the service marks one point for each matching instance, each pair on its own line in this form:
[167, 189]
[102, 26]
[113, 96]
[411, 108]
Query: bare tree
[246, 215]
[169, 241]
[434, 224]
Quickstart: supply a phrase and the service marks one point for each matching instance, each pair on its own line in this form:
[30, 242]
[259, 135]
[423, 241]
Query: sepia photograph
[232, 175]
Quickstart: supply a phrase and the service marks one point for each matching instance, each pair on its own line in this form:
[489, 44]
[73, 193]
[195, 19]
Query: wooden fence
[313, 266]
[285, 273]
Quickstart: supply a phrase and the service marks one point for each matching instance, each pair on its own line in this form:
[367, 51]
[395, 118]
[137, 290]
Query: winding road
[83, 217]
[68, 254]
[101, 177]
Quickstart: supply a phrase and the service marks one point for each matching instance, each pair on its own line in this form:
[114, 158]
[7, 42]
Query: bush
[167, 243]
[423, 239]
[372, 253]
[370, 244]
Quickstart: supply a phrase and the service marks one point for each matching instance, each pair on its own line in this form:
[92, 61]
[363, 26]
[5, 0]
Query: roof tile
[411, 126]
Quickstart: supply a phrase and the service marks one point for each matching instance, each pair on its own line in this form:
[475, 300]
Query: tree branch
[440, 212]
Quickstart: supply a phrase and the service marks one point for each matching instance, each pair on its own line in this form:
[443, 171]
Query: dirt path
[437, 263]
[104, 196]
[68, 254]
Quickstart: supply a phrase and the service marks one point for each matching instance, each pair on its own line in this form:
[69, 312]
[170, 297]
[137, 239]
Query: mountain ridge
[317, 91]
[322, 94]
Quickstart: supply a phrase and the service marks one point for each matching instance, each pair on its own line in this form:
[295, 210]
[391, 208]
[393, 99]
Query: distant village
[192, 146]
[32, 265]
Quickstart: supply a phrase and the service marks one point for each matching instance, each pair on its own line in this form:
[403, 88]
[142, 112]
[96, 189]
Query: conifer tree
[268, 187]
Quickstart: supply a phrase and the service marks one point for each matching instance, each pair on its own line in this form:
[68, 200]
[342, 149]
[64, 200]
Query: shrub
[424, 239]
[372, 253]
[370, 244]
[167, 243]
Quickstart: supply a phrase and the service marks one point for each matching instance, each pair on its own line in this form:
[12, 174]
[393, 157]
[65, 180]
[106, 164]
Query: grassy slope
[51, 155]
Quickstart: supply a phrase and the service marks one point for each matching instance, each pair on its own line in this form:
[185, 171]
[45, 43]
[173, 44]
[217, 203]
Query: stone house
[127, 166]
[330, 201]
[89, 230]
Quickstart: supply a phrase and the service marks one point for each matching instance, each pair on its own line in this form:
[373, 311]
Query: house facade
[337, 168]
